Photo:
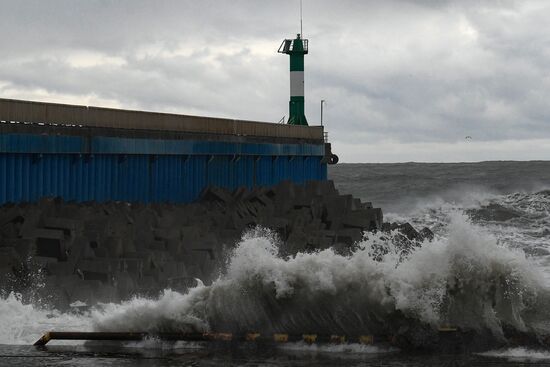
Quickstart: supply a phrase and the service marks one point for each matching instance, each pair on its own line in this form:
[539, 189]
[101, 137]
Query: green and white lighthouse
[296, 48]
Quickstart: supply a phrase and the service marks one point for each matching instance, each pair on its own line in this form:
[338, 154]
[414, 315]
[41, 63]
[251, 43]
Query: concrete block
[8, 258]
[156, 245]
[359, 219]
[280, 225]
[317, 207]
[218, 194]
[98, 270]
[166, 233]
[321, 188]
[51, 247]
[239, 193]
[262, 199]
[101, 252]
[143, 232]
[205, 260]
[10, 214]
[284, 189]
[335, 206]
[349, 236]
[107, 293]
[158, 258]
[11, 223]
[43, 233]
[189, 233]
[134, 267]
[72, 225]
[43, 261]
[84, 291]
[66, 281]
[95, 266]
[125, 284]
[181, 284]
[95, 226]
[229, 237]
[194, 270]
[207, 242]
[175, 269]
[366, 219]
[174, 246]
[250, 208]
[60, 268]
[86, 249]
[297, 237]
[31, 219]
[145, 219]
[326, 233]
[114, 246]
[148, 284]
[299, 218]
[23, 247]
[129, 245]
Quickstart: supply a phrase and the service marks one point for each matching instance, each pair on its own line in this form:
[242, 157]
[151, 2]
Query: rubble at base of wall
[75, 253]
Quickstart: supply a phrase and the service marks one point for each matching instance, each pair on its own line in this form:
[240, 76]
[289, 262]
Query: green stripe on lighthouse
[296, 49]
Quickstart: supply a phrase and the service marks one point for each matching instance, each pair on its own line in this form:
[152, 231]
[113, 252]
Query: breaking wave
[466, 279]
[25, 323]
[519, 220]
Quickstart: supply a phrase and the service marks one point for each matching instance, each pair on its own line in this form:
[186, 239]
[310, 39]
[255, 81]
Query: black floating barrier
[247, 337]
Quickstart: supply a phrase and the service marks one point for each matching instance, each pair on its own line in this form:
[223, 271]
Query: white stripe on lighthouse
[296, 83]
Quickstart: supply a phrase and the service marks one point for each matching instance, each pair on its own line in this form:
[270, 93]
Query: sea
[486, 270]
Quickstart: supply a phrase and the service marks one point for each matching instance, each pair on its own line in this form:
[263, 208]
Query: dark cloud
[403, 72]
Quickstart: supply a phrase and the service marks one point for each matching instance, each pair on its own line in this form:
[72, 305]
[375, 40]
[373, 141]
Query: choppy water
[488, 267]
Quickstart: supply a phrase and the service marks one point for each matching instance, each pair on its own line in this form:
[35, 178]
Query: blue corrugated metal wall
[134, 171]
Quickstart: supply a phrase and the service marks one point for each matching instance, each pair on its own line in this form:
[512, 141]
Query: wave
[465, 279]
[518, 220]
[23, 324]
[337, 348]
[518, 354]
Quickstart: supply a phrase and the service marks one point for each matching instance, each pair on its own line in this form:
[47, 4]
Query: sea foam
[466, 279]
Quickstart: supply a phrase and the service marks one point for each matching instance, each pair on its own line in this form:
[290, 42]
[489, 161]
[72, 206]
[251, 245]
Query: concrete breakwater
[65, 253]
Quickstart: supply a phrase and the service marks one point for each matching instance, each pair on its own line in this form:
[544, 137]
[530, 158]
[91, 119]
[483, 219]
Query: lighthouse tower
[296, 48]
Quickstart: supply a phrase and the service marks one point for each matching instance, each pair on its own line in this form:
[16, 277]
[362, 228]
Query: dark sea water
[402, 187]
[488, 266]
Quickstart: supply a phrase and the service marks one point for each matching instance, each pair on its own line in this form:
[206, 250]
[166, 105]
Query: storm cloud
[403, 80]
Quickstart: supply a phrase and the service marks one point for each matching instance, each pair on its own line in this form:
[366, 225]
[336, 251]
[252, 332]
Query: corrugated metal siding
[142, 170]
[142, 178]
[30, 143]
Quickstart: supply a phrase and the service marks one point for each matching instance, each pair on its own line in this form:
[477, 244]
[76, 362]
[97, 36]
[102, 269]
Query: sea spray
[24, 323]
[171, 312]
[466, 279]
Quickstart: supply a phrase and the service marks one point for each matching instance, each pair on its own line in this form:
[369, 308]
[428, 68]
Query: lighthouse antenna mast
[301, 30]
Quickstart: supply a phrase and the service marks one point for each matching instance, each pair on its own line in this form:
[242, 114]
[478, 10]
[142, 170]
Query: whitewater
[487, 271]
[465, 279]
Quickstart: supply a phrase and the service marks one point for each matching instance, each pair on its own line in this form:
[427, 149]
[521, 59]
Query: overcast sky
[403, 80]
